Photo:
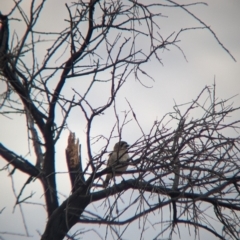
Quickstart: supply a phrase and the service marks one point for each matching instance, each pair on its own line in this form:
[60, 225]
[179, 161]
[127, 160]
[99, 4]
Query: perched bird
[118, 156]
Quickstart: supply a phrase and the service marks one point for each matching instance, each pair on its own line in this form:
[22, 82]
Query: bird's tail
[106, 182]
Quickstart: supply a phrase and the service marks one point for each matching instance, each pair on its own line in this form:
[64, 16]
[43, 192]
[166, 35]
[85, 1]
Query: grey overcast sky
[178, 80]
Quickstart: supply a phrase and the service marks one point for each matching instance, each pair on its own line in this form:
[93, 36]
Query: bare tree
[186, 164]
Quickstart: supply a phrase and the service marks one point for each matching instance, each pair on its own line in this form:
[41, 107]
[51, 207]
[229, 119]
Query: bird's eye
[123, 144]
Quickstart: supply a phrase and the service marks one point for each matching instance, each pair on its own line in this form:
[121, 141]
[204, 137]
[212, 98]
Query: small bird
[119, 155]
